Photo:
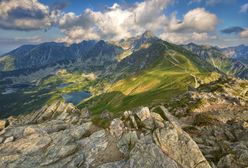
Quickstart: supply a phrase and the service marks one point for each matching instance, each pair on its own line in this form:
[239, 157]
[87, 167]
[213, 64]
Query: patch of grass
[103, 123]
[7, 63]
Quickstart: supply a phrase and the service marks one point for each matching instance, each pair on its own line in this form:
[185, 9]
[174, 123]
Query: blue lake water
[76, 97]
[63, 85]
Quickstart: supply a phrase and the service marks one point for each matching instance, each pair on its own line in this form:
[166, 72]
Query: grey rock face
[178, 145]
[3, 124]
[116, 127]
[149, 155]
[61, 135]
[47, 138]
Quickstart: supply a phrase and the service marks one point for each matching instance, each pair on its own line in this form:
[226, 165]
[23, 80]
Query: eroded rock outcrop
[61, 135]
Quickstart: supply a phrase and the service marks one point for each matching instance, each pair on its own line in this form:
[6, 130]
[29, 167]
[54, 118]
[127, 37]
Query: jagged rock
[158, 120]
[9, 139]
[145, 119]
[116, 127]
[3, 124]
[30, 130]
[127, 114]
[127, 142]
[78, 132]
[92, 145]
[37, 141]
[1, 140]
[228, 161]
[148, 156]
[119, 164]
[63, 136]
[78, 161]
[145, 154]
[56, 153]
[178, 145]
[143, 114]
[133, 121]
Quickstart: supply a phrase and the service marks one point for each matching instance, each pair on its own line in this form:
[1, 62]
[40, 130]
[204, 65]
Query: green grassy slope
[168, 71]
[47, 91]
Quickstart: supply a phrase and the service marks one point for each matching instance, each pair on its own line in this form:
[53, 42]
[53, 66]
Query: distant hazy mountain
[238, 52]
[232, 60]
[35, 56]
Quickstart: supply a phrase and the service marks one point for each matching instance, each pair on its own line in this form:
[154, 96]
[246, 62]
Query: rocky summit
[198, 134]
[63, 136]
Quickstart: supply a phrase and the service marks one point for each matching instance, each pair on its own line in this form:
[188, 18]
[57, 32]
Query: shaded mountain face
[36, 56]
[152, 75]
[231, 60]
[101, 55]
[239, 52]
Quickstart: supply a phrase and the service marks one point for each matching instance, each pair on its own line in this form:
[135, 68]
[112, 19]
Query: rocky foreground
[209, 130]
[63, 136]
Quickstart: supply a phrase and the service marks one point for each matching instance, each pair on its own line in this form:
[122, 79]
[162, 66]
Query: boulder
[149, 156]
[116, 127]
[94, 144]
[127, 142]
[134, 123]
[127, 114]
[1, 140]
[119, 164]
[143, 113]
[77, 132]
[158, 120]
[3, 124]
[178, 145]
[9, 139]
[30, 130]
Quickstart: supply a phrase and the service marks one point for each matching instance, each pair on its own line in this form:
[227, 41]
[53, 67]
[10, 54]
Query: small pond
[63, 85]
[76, 97]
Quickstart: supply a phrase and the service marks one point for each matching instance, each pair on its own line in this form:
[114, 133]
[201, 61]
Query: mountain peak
[148, 34]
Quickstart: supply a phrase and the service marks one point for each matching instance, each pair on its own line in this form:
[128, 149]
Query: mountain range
[137, 102]
[125, 70]
[231, 60]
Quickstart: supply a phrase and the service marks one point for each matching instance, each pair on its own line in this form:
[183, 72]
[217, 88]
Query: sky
[220, 23]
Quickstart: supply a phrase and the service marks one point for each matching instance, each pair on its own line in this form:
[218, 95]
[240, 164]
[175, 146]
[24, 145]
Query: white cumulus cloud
[198, 20]
[24, 15]
[116, 22]
[182, 38]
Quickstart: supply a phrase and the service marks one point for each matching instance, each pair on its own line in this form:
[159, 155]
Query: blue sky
[214, 22]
